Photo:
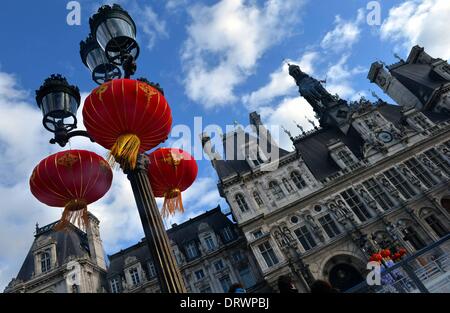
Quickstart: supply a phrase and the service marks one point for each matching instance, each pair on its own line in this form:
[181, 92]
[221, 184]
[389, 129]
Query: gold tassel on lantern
[75, 212]
[125, 151]
[172, 203]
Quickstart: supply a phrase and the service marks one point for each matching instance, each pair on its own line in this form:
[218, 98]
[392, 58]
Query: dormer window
[46, 261]
[346, 158]
[115, 285]
[134, 274]
[227, 234]
[210, 245]
[191, 250]
[242, 204]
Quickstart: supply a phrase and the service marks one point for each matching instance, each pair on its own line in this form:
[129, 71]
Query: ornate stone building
[63, 262]
[371, 176]
[210, 251]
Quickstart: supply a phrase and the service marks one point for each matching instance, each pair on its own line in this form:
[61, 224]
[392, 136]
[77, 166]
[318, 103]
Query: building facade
[372, 175]
[210, 251]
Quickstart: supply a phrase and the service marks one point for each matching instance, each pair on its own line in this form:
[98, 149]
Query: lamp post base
[169, 276]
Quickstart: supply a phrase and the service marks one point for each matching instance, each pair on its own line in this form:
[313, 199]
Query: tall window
[135, 279]
[413, 238]
[115, 285]
[218, 265]
[400, 183]
[436, 225]
[151, 270]
[210, 243]
[227, 234]
[242, 204]
[200, 274]
[268, 254]
[356, 205]
[46, 261]
[346, 158]
[420, 172]
[378, 194]
[437, 159]
[191, 250]
[287, 185]
[329, 225]
[225, 281]
[298, 180]
[247, 278]
[305, 238]
[257, 198]
[276, 190]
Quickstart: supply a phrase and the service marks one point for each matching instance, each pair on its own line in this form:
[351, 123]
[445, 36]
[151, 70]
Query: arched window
[298, 180]
[276, 190]
[436, 225]
[257, 198]
[241, 202]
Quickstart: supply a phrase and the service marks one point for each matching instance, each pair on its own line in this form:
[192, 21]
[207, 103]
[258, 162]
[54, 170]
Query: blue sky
[218, 60]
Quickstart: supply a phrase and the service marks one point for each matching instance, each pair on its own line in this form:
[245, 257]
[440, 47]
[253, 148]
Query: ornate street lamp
[288, 245]
[96, 61]
[115, 31]
[59, 102]
[112, 44]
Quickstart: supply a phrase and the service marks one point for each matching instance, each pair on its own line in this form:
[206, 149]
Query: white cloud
[344, 34]
[339, 78]
[422, 22]
[281, 83]
[225, 42]
[289, 110]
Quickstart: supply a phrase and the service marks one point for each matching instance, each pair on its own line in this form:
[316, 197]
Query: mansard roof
[314, 150]
[179, 234]
[70, 243]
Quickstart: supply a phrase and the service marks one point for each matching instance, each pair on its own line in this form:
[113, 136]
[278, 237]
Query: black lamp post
[59, 103]
[112, 44]
[97, 62]
[288, 245]
[115, 31]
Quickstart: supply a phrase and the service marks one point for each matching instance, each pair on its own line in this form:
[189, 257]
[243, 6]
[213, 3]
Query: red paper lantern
[377, 257]
[127, 117]
[171, 171]
[71, 179]
[396, 256]
[402, 251]
[385, 253]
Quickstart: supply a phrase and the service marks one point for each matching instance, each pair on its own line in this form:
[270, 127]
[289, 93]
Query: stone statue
[430, 165]
[410, 177]
[369, 200]
[389, 188]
